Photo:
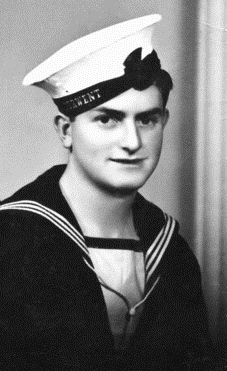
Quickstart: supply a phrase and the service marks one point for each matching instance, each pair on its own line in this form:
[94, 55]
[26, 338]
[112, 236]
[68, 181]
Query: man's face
[116, 146]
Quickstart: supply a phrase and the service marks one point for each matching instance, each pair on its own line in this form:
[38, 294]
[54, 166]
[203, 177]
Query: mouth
[128, 161]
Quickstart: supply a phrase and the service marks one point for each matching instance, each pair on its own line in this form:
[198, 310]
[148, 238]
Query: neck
[99, 213]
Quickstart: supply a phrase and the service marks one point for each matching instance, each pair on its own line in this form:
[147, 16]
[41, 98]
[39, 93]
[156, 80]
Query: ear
[165, 117]
[63, 127]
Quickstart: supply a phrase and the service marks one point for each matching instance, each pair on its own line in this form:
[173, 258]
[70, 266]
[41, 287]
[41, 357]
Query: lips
[128, 161]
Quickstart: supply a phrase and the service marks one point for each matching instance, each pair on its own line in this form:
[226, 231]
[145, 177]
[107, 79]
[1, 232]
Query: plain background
[32, 30]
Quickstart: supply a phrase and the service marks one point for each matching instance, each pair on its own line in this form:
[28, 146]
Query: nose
[131, 137]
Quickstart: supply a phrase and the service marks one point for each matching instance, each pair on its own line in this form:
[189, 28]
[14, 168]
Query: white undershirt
[123, 271]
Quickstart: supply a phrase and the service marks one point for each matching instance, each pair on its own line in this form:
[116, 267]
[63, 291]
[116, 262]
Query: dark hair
[164, 83]
[147, 72]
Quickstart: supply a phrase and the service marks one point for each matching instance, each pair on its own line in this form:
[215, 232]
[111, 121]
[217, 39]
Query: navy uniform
[53, 313]
[75, 302]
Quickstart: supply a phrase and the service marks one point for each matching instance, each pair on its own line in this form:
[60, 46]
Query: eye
[106, 120]
[149, 120]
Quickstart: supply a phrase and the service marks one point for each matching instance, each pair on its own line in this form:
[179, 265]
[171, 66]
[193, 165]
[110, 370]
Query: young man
[93, 276]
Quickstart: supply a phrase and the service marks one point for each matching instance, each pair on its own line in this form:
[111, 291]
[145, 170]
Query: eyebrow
[122, 115]
[111, 112]
[152, 112]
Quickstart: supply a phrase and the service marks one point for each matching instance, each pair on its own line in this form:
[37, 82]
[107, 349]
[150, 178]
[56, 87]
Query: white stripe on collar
[56, 218]
[153, 255]
[155, 252]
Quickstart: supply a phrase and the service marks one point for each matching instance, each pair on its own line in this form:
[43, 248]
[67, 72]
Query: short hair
[163, 81]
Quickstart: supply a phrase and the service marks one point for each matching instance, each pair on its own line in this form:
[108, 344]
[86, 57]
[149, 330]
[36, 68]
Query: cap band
[138, 75]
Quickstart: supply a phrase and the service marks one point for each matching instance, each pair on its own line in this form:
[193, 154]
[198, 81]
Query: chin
[123, 189]
[120, 191]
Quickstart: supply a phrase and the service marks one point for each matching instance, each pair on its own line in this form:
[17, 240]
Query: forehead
[135, 100]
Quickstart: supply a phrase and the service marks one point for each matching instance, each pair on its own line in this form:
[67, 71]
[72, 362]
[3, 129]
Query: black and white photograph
[113, 185]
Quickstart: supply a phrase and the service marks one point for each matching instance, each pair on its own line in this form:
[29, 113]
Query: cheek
[89, 143]
[154, 142]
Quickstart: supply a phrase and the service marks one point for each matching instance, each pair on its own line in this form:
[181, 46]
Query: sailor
[94, 276]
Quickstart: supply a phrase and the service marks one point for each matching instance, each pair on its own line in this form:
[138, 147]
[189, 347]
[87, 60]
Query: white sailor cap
[95, 68]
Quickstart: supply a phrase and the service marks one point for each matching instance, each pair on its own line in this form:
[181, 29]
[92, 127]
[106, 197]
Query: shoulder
[152, 216]
[30, 245]
[179, 257]
[39, 189]
[19, 227]
[17, 212]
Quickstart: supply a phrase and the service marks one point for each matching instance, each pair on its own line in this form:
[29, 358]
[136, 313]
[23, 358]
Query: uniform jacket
[52, 311]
